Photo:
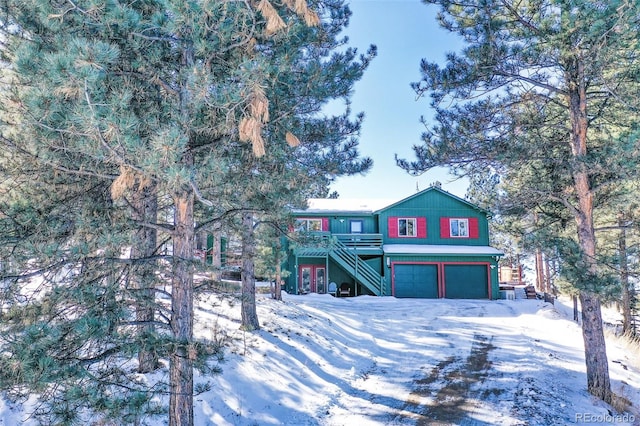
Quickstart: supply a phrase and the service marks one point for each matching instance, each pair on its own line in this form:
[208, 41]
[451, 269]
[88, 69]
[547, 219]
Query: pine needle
[247, 129]
[301, 7]
[124, 181]
[258, 146]
[274, 21]
[259, 105]
[250, 130]
[69, 92]
[292, 140]
[311, 18]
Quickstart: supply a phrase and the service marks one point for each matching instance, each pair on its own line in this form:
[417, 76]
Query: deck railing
[362, 272]
[373, 241]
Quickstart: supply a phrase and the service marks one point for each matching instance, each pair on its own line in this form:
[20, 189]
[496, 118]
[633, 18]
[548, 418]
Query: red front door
[312, 279]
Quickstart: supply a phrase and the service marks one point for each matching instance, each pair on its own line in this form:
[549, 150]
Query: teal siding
[423, 275]
[434, 205]
[416, 280]
[334, 273]
[341, 224]
[291, 282]
[466, 282]
[461, 269]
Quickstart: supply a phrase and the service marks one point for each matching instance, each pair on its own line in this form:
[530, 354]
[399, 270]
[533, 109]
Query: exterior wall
[429, 208]
[340, 223]
[434, 205]
[493, 267]
[334, 272]
[291, 282]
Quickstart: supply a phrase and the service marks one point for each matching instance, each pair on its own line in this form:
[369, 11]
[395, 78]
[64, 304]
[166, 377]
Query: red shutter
[422, 227]
[392, 225]
[474, 228]
[325, 224]
[445, 230]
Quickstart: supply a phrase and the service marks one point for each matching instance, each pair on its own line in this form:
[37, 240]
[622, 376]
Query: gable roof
[344, 205]
[437, 189]
[369, 206]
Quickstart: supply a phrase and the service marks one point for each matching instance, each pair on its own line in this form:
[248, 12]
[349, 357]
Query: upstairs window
[312, 224]
[407, 227]
[455, 227]
[459, 228]
[356, 226]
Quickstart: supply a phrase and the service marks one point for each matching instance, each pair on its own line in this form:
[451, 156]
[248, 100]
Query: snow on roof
[440, 249]
[350, 205]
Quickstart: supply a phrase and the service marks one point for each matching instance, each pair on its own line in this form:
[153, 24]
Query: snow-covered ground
[320, 360]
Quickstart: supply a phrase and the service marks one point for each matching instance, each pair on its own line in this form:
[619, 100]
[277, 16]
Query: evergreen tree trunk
[181, 360]
[145, 209]
[547, 273]
[277, 295]
[624, 277]
[598, 382]
[540, 280]
[216, 253]
[249, 313]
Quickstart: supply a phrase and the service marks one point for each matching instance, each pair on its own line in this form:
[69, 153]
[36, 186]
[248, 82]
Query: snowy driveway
[385, 361]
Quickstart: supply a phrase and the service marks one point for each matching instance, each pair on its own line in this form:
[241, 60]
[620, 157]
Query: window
[459, 228]
[309, 225]
[355, 226]
[407, 227]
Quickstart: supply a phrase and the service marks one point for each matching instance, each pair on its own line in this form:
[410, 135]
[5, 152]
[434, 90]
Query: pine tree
[122, 106]
[545, 95]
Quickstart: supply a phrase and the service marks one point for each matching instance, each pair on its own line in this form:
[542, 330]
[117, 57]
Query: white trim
[440, 249]
[345, 206]
[459, 220]
[307, 223]
[414, 234]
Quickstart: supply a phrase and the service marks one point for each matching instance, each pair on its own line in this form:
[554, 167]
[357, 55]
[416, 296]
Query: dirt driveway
[448, 392]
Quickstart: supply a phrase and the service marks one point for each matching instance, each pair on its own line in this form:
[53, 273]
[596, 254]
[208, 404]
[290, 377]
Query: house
[429, 245]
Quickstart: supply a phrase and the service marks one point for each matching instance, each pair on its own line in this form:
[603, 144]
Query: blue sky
[405, 31]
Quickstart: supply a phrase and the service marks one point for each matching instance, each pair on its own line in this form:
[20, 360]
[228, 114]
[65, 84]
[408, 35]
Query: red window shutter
[422, 227]
[392, 225]
[445, 231]
[474, 228]
[325, 224]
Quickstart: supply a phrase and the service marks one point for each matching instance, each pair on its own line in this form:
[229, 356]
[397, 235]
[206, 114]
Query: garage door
[466, 282]
[416, 281]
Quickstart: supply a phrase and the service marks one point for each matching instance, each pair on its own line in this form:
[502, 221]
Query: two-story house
[429, 245]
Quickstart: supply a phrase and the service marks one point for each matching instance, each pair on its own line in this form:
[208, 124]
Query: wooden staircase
[364, 274]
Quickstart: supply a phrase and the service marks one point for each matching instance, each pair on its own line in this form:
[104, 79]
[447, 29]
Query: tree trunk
[598, 382]
[277, 295]
[145, 209]
[181, 360]
[540, 280]
[624, 277]
[547, 273]
[249, 313]
[216, 253]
